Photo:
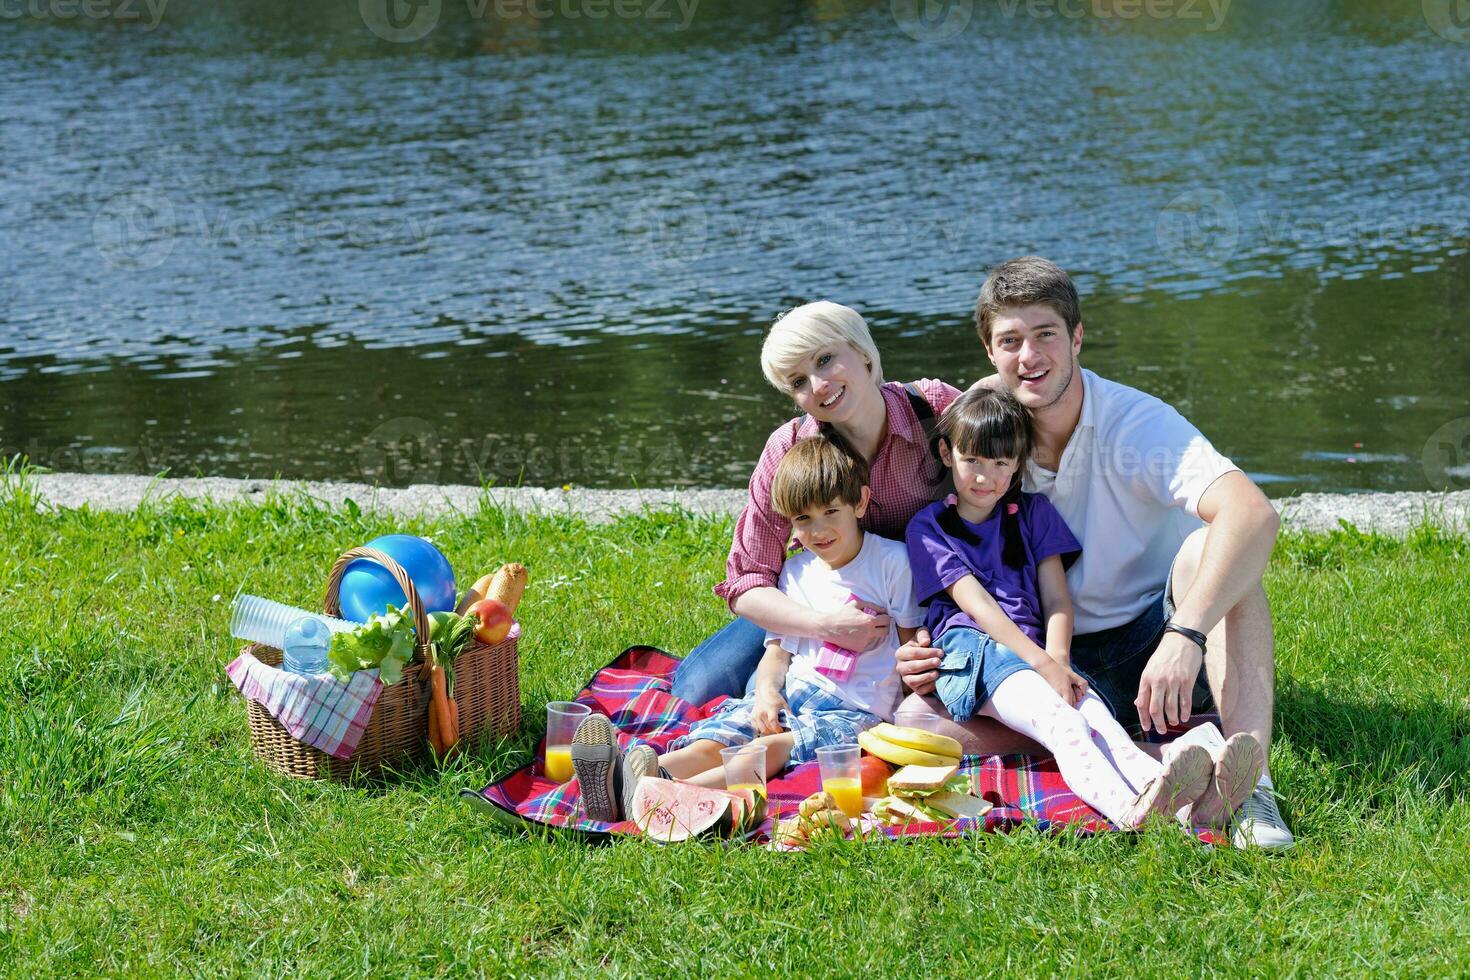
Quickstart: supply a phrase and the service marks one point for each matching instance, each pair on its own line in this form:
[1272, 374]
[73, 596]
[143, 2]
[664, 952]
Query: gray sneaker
[1258, 823]
[639, 761]
[595, 760]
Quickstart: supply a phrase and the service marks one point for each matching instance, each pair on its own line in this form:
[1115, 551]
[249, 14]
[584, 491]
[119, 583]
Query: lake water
[258, 240]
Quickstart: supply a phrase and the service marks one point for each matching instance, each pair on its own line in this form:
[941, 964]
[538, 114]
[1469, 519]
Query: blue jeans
[723, 664]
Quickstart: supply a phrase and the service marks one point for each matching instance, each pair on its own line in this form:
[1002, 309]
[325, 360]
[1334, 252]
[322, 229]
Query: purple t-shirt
[944, 548]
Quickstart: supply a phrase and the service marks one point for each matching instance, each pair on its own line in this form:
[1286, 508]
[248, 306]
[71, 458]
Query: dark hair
[989, 422]
[816, 470]
[1027, 281]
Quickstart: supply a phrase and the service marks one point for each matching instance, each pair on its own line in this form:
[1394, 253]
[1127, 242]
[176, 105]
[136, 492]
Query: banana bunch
[910, 746]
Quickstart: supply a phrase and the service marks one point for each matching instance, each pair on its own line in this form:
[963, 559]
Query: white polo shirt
[1128, 486]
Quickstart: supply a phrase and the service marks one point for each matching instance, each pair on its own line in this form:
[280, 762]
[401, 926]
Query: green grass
[139, 836]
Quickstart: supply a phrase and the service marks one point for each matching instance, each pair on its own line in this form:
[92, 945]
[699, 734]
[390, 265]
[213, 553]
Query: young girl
[989, 562]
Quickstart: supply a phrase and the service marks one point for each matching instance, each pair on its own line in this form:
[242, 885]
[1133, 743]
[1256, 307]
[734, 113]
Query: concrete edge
[1392, 513]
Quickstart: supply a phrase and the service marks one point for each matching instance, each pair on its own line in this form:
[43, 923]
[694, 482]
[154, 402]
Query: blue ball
[368, 588]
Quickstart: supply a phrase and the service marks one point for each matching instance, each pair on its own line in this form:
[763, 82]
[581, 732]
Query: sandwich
[928, 794]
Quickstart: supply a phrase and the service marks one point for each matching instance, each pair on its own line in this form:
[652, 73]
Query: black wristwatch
[1189, 634]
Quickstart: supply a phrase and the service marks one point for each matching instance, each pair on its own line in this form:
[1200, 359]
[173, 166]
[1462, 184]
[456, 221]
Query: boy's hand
[765, 716]
[918, 663]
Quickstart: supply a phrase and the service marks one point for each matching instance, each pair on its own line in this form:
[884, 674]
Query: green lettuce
[384, 642]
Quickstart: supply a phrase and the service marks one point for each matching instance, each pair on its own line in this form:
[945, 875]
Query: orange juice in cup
[848, 792]
[745, 767]
[562, 719]
[842, 777]
[559, 763]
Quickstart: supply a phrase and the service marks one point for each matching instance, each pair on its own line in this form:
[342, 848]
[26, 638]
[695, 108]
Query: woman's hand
[852, 629]
[918, 663]
[765, 713]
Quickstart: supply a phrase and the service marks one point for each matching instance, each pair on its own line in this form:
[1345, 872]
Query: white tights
[1095, 755]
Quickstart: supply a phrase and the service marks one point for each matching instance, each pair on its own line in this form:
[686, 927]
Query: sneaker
[1238, 765]
[1205, 734]
[1258, 822]
[639, 761]
[1186, 774]
[595, 760]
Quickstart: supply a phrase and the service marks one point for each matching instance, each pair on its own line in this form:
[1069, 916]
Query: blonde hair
[802, 332]
[816, 471]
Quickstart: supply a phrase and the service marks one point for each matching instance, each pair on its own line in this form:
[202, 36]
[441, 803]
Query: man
[1170, 610]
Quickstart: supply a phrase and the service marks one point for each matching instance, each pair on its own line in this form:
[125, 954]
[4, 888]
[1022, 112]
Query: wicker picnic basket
[486, 686]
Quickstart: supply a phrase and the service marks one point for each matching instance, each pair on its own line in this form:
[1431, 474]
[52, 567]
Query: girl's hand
[765, 716]
[852, 629]
[1068, 684]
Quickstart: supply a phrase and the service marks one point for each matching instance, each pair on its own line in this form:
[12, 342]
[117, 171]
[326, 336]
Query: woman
[823, 357]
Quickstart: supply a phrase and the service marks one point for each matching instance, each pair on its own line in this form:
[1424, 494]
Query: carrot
[454, 713]
[436, 739]
[441, 701]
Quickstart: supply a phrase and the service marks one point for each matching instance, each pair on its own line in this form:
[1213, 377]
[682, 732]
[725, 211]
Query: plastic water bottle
[305, 647]
[266, 621]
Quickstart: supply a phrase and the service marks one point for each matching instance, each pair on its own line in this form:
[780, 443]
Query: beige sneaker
[638, 761]
[1186, 774]
[1238, 764]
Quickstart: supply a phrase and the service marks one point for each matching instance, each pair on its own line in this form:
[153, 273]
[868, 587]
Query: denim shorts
[1112, 661]
[972, 667]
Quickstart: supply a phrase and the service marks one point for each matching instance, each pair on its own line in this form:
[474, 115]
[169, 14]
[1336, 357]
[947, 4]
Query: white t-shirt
[1128, 486]
[880, 575]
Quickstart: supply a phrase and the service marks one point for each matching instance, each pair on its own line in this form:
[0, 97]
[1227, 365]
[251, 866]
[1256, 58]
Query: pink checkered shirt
[904, 475]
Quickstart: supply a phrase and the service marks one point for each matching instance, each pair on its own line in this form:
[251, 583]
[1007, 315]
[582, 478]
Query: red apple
[875, 773]
[494, 620]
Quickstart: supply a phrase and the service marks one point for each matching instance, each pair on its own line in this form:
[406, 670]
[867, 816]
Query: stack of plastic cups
[265, 621]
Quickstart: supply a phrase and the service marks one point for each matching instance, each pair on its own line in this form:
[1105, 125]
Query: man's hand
[1166, 689]
[852, 629]
[918, 663]
[766, 711]
[1068, 684]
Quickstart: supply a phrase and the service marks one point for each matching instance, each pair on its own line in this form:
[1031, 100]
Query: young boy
[802, 701]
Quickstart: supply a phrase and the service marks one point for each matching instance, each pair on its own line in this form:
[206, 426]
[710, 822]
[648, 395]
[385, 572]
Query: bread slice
[960, 805]
[911, 778]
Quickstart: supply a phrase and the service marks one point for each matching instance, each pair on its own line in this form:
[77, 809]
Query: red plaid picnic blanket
[633, 691]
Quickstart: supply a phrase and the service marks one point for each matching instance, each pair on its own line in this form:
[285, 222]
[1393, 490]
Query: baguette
[509, 585]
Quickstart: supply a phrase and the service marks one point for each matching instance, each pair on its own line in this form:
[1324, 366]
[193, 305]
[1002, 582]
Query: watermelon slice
[669, 811]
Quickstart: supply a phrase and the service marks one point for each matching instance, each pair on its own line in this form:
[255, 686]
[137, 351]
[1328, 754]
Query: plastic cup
[842, 776]
[562, 719]
[745, 767]
[922, 720]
